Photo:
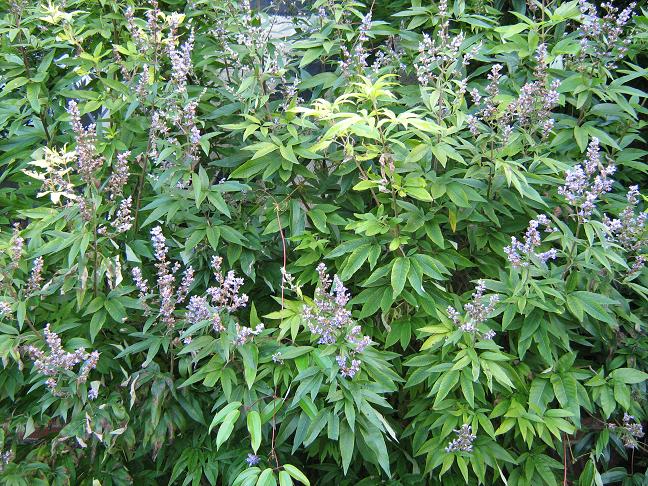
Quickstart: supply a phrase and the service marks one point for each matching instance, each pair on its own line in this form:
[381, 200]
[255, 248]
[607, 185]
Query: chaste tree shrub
[323, 242]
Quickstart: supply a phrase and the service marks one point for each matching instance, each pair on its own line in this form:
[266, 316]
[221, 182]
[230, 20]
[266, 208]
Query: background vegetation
[393, 243]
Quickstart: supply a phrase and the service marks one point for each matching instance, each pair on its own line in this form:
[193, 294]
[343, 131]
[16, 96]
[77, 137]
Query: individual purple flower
[464, 440]
[85, 209]
[142, 88]
[159, 243]
[198, 310]
[223, 297]
[356, 60]
[489, 111]
[93, 393]
[473, 124]
[489, 335]
[476, 311]
[545, 256]
[357, 341]
[389, 56]
[532, 109]
[475, 95]
[440, 55]
[89, 364]
[454, 315]
[187, 121]
[5, 458]
[252, 459]
[637, 265]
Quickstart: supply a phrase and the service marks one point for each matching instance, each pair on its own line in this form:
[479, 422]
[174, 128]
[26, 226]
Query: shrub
[357, 244]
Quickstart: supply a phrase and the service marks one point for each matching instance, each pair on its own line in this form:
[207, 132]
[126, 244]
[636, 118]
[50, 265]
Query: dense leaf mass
[323, 242]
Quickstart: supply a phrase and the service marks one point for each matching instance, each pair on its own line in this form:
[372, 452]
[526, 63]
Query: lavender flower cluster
[440, 55]
[57, 361]
[165, 277]
[5, 458]
[123, 219]
[533, 106]
[531, 110]
[226, 296]
[16, 248]
[88, 159]
[329, 320]
[119, 176]
[629, 230]
[249, 52]
[180, 58]
[245, 334]
[181, 115]
[36, 276]
[464, 440]
[389, 55]
[475, 313]
[601, 38]
[145, 40]
[356, 60]
[178, 113]
[631, 430]
[329, 315]
[166, 281]
[35, 281]
[250, 34]
[5, 309]
[520, 253]
[585, 184]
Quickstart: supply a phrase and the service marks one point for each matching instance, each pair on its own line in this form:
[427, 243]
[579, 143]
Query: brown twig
[564, 462]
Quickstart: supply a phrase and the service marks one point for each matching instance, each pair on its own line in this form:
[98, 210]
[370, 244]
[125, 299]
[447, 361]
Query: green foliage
[172, 177]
